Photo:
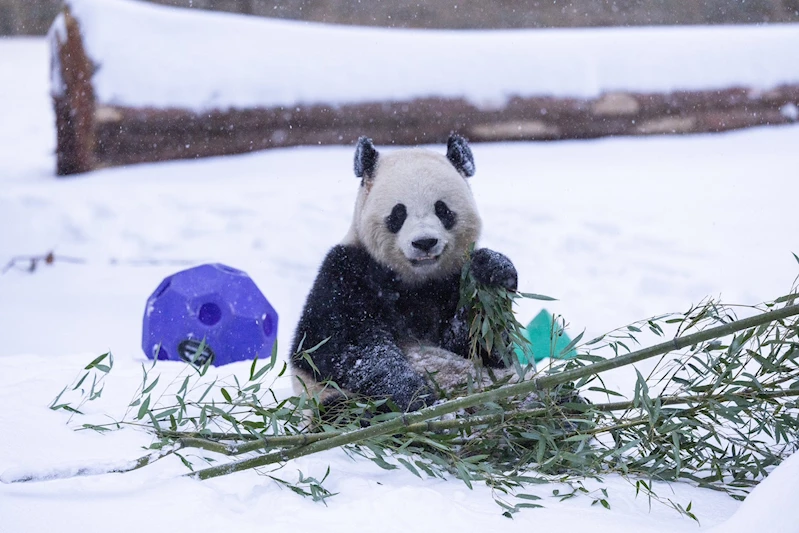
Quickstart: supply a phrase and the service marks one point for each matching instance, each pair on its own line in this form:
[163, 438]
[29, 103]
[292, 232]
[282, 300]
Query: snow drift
[135, 82]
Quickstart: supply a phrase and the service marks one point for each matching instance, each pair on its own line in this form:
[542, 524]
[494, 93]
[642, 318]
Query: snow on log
[134, 82]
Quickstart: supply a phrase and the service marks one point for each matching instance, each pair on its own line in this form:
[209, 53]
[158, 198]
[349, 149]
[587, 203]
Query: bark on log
[125, 135]
[73, 100]
[92, 135]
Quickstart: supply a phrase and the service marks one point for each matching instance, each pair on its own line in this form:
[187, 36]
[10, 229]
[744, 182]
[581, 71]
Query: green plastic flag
[539, 333]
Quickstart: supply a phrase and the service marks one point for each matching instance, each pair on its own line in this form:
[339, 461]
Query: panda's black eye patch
[447, 216]
[396, 219]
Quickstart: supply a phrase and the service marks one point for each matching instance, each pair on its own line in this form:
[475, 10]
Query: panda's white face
[416, 215]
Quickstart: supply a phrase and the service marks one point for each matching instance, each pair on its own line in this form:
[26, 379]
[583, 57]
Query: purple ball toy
[214, 303]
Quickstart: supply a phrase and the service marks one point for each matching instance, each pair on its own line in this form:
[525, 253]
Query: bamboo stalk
[547, 382]
[459, 423]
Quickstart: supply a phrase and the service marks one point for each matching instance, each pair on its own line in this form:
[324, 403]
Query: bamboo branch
[523, 388]
[421, 421]
[188, 440]
[195, 440]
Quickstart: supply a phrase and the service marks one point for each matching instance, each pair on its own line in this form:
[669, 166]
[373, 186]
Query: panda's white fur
[343, 302]
[416, 178]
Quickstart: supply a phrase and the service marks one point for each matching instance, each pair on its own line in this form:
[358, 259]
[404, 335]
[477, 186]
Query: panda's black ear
[365, 157]
[460, 155]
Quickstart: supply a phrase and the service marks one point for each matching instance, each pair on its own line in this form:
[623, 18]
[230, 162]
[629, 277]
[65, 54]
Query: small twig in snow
[33, 261]
[21, 476]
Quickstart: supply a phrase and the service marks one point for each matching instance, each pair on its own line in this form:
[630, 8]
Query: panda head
[415, 212]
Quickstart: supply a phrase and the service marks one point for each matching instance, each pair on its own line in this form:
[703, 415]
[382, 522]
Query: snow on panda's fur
[386, 298]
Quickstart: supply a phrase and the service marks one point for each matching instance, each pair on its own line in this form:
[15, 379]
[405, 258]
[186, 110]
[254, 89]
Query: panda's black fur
[370, 312]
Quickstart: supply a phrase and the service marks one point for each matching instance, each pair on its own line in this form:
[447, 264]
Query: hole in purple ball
[210, 314]
[160, 353]
[162, 288]
[230, 270]
[269, 326]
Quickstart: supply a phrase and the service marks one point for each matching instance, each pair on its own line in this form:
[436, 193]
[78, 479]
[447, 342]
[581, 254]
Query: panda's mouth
[427, 259]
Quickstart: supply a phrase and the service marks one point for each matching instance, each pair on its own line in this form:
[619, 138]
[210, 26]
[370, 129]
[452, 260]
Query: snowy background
[137, 43]
[616, 229]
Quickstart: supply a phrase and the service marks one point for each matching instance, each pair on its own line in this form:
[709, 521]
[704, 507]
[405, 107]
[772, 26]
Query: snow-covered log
[133, 82]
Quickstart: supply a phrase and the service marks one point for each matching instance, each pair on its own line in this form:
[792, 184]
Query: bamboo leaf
[225, 394]
[97, 361]
[151, 386]
[409, 466]
[143, 408]
[533, 296]
[569, 347]
[463, 474]
[606, 391]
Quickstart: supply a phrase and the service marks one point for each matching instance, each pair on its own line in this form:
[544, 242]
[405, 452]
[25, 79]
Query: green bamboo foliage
[715, 405]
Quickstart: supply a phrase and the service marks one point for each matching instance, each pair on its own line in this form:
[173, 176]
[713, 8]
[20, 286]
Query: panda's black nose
[425, 245]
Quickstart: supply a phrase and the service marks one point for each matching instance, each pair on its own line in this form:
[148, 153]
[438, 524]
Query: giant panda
[385, 300]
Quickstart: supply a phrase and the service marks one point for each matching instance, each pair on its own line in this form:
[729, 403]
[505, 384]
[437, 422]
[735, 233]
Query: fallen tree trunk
[126, 135]
[93, 133]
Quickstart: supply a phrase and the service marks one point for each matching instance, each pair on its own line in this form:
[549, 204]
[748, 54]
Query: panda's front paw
[417, 395]
[494, 269]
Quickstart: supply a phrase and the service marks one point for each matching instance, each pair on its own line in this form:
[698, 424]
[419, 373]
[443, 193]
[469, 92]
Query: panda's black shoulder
[346, 254]
[346, 297]
[351, 263]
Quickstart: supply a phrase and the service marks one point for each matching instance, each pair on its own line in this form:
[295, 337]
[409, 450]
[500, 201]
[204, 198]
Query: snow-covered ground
[617, 229]
[277, 62]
